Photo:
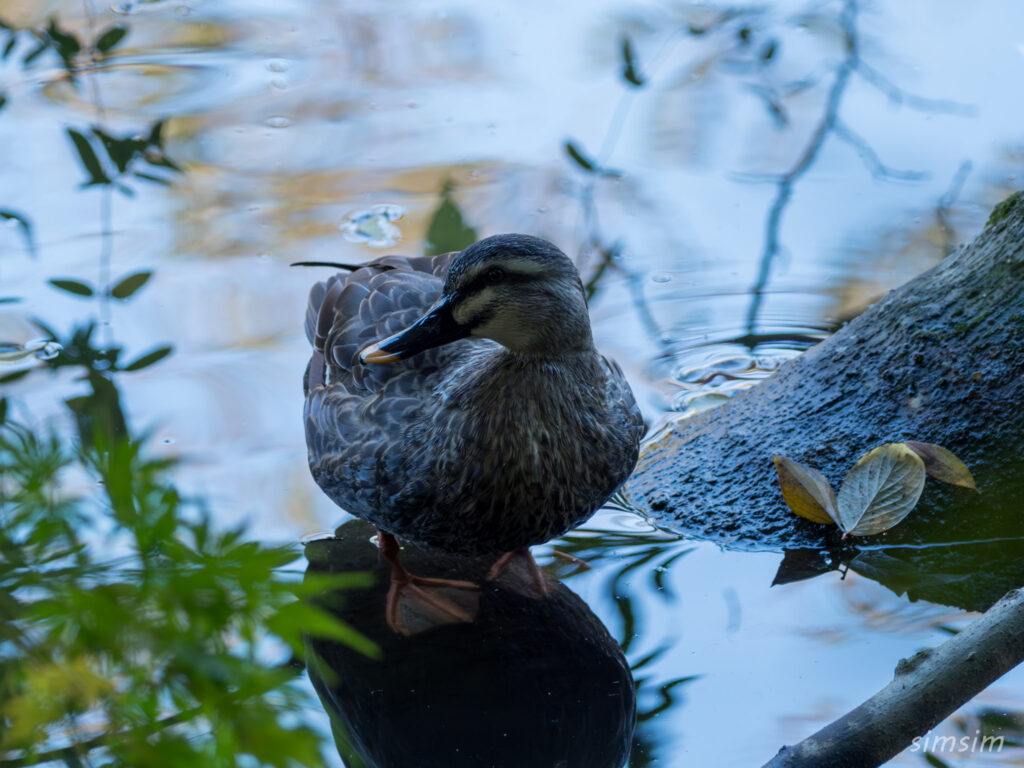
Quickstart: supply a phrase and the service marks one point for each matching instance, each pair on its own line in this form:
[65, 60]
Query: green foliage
[132, 632]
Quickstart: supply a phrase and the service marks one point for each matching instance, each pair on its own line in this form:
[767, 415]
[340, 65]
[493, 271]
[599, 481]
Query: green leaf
[73, 286]
[65, 43]
[7, 378]
[35, 54]
[298, 619]
[87, 155]
[576, 154]
[881, 489]
[151, 177]
[148, 359]
[9, 47]
[3, 99]
[3, 410]
[933, 760]
[120, 151]
[448, 230]
[629, 70]
[156, 134]
[111, 37]
[26, 229]
[130, 284]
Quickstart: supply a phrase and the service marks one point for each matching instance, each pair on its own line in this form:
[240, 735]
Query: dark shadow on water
[530, 682]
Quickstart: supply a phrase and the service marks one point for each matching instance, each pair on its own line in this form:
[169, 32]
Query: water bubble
[278, 121]
[263, 256]
[373, 226]
[661, 277]
[277, 65]
[279, 83]
[543, 209]
[183, 10]
[124, 9]
[10, 223]
[168, 441]
[48, 350]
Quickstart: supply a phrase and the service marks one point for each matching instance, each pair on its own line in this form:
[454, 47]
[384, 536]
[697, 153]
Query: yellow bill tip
[374, 354]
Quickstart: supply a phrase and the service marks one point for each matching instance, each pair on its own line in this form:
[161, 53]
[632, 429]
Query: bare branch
[926, 688]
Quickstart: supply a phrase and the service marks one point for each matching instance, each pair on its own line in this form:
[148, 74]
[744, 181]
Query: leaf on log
[881, 489]
[806, 491]
[943, 465]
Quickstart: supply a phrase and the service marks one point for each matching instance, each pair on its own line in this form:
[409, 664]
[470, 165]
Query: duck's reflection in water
[530, 682]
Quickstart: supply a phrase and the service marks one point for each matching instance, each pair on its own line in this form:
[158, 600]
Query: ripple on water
[709, 372]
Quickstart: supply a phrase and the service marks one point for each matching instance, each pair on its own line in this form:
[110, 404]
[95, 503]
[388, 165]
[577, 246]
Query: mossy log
[939, 360]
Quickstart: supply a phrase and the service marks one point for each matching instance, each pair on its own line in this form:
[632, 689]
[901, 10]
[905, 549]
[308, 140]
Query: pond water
[340, 131]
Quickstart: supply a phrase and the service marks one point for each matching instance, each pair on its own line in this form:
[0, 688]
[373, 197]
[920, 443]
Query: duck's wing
[347, 312]
[356, 414]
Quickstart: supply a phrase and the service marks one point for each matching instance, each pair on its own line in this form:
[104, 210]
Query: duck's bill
[435, 328]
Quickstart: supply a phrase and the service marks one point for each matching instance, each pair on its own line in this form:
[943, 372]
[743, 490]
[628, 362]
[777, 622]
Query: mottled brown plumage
[469, 447]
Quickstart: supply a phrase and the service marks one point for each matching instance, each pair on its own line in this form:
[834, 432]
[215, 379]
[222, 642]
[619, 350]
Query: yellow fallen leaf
[806, 491]
[942, 464]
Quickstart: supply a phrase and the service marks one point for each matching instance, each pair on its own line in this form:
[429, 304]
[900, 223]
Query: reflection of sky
[380, 103]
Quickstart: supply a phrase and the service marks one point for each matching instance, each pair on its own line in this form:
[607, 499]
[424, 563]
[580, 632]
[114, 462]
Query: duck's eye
[495, 274]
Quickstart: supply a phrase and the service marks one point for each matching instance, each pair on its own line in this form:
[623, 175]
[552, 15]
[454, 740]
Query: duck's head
[518, 290]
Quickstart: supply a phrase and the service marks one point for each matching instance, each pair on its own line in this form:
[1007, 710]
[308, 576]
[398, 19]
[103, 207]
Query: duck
[458, 402]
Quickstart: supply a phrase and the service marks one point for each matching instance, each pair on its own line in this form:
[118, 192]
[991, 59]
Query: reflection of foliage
[66, 45]
[640, 553]
[122, 156]
[24, 225]
[448, 230]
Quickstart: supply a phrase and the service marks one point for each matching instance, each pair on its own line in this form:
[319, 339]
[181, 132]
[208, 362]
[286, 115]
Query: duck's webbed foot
[519, 571]
[417, 603]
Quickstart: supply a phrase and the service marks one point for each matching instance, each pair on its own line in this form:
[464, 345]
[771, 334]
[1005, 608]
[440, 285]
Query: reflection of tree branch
[831, 124]
[942, 210]
[867, 153]
[609, 259]
[926, 689]
[900, 96]
[784, 190]
[106, 201]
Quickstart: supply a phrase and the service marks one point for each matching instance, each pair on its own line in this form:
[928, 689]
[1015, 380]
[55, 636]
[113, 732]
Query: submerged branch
[926, 689]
